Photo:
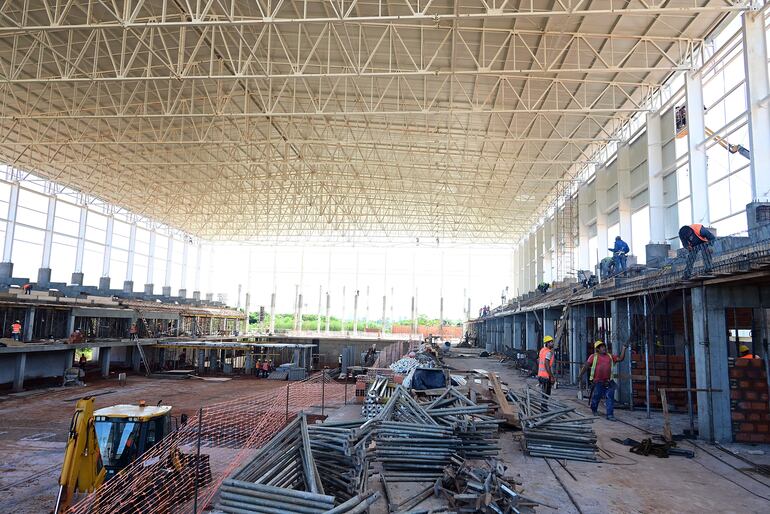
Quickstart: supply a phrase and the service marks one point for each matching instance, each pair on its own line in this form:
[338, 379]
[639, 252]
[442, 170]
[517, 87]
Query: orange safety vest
[696, 228]
[749, 356]
[541, 369]
[16, 328]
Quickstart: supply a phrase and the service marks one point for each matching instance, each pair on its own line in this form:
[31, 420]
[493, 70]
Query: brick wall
[671, 372]
[748, 401]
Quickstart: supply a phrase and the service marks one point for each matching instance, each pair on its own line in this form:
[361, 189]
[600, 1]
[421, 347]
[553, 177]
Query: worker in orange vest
[265, 368]
[27, 288]
[745, 352]
[545, 362]
[16, 331]
[697, 239]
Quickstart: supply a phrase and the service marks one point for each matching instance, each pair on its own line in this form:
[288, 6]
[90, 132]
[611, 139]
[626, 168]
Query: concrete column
[246, 308]
[507, 333]
[272, 313]
[441, 316]
[300, 302]
[384, 311]
[710, 342]
[29, 322]
[695, 135]
[20, 367]
[183, 278]
[532, 279]
[550, 317]
[128, 284]
[77, 275]
[6, 270]
[198, 260]
[149, 285]
[757, 93]
[620, 336]
[70, 323]
[105, 354]
[413, 317]
[355, 313]
[655, 178]
[169, 258]
[136, 360]
[601, 213]
[69, 358]
[517, 328]
[328, 311]
[531, 331]
[584, 215]
[320, 303]
[213, 358]
[539, 260]
[572, 338]
[44, 273]
[624, 193]
[107, 256]
[201, 361]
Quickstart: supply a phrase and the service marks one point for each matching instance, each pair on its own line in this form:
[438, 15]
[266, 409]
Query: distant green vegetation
[310, 322]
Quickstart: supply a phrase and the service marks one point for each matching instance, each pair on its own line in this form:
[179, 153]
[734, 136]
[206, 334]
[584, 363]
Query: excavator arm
[82, 470]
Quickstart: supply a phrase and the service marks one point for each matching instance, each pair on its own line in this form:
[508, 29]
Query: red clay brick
[736, 395]
[758, 406]
[762, 428]
[738, 416]
[751, 395]
[747, 427]
[740, 437]
[741, 363]
[753, 417]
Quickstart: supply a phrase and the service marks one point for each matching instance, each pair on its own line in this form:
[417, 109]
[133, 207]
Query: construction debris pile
[482, 489]
[553, 429]
[284, 478]
[404, 365]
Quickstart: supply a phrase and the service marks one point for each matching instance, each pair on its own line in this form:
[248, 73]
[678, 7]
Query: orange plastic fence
[164, 479]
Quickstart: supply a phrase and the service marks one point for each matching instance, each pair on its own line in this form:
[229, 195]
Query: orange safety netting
[163, 480]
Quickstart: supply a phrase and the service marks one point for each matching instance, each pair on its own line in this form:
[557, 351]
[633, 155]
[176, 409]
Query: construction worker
[745, 352]
[82, 362]
[76, 336]
[133, 332]
[16, 331]
[545, 362]
[603, 374]
[697, 239]
[619, 253]
[27, 288]
[265, 368]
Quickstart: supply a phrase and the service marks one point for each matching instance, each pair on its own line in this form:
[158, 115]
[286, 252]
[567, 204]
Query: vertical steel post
[687, 363]
[646, 360]
[630, 358]
[198, 459]
[323, 390]
[346, 390]
[287, 403]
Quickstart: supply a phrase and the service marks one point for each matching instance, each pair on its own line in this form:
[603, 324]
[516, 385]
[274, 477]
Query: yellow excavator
[103, 442]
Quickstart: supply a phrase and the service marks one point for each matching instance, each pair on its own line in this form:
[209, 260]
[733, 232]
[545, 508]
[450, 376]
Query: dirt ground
[34, 426]
[33, 430]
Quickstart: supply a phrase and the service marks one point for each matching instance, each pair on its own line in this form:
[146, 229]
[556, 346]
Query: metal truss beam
[85, 14]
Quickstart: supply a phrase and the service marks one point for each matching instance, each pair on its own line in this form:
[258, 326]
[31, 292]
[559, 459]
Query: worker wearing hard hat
[545, 362]
[603, 376]
[745, 352]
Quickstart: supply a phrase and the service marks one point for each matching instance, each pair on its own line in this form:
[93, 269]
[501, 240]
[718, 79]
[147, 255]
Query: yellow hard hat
[743, 348]
[597, 344]
[547, 339]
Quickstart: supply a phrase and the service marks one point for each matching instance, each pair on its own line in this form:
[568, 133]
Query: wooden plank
[506, 409]
[666, 419]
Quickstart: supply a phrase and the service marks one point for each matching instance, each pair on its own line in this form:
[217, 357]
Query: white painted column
[757, 97]
[320, 300]
[107, 256]
[695, 135]
[131, 253]
[44, 273]
[169, 257]
[272, 313]
[539, 255]
[148, 285]
[197, 282]
[328, 311]
[624, 193]
[183, 278]
[601, 212]
[355, 313]
[342, 327]
[10, 226]
[655, 177]
[210, 281]
[547, 251]
[81, 244]
[584, 261]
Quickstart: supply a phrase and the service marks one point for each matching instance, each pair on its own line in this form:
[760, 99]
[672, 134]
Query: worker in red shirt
[603, 375]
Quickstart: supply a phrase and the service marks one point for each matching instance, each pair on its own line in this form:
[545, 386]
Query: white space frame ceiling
[331, 120]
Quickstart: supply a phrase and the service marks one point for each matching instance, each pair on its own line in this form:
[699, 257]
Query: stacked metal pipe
[284, 478]
[476, 430]
[553, 429]
[339, 450]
